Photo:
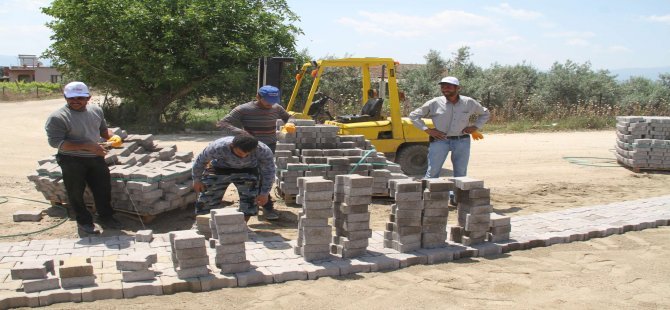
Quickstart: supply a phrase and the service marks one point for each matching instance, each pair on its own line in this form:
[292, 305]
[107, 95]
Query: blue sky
[610, 34]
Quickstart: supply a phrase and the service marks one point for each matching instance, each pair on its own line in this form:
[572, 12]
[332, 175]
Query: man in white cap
[258, 118]
[76, 130]
[451, 133]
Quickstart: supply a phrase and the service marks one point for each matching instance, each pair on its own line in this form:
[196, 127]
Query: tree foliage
[154, 52]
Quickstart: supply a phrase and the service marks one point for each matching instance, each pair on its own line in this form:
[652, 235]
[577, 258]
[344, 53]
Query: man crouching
[241, 160]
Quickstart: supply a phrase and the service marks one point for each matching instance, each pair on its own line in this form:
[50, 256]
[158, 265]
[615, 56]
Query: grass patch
[205, 119]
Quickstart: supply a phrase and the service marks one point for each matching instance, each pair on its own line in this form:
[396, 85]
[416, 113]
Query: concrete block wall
[147, 178]
[643, 142]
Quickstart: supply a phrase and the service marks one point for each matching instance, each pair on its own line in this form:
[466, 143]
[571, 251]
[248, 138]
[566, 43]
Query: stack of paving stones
[435, 212]
[380, 182]
[76, 272]
[353, 195]
[474, 211]
[314, 232]
[204, 225]
[137, 267]
[317, 150]
[643, 142]
[231, 234]
[403, 231]
[501, 227]
[36, 275]
[147, 178]
[189, 254]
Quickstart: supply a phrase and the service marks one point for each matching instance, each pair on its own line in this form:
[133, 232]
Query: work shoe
[88, 228]
[270, 215]
[111, 223]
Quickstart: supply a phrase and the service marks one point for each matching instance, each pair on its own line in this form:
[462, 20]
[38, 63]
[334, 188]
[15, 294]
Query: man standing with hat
[451, 118]
[258, 118]
[76, 130]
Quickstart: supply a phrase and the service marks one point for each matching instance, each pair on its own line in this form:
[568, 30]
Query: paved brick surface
[273, 259]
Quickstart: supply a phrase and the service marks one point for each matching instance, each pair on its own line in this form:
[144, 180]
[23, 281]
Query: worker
[258, 118]
[76, 130]
[241, 160]
[451, 118]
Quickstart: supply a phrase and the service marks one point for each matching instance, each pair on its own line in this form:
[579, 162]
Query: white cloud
[619, 49]
[506, 10]
[394, 24]
[659, 19]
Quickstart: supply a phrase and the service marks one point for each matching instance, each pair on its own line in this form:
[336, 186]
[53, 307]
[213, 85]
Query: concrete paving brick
[144, 235]
[33, 269]
[234, 267]
[47, 298]
[27, 216]
[137, 275]
[381, 263]
[173, 285]
[193, 272]
[217, 281]
[259, 275]
[78, 281]
[49, 283]
[113, 290]
[142, 288]
[75, 267]
[9, 300]
[286, 273]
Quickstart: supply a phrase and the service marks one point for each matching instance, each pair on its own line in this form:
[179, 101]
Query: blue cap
[269, 93]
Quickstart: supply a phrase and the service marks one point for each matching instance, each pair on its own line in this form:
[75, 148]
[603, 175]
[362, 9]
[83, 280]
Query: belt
[457, 137]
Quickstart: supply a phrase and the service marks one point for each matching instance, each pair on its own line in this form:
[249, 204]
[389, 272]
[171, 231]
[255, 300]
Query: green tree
[419, 84]
[154, 52]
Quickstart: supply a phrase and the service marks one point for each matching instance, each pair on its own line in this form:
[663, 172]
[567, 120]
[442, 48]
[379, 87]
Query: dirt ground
[527, 173]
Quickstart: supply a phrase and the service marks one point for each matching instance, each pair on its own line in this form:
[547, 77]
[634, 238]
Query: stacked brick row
[36, 275]
[147, 178]
[350, 215]
[137, 267]
[205, 225]
[231, 232]
[501, 227]
[474, 211]
[643, 141]
[403, 231]
[435, 212]
[189, 254]
[314, 232]
[76, 272]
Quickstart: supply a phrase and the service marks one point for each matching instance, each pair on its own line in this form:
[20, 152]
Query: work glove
[476, 135]
[115, 141]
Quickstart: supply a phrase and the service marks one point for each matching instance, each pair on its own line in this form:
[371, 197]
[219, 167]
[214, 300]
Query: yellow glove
[115, 140]
[477, 135]
[288, 128]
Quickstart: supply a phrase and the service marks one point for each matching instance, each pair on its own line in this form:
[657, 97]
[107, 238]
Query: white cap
[450, 80]
[76, 89]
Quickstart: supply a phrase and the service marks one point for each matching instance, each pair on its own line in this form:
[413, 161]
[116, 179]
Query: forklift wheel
[413, 159]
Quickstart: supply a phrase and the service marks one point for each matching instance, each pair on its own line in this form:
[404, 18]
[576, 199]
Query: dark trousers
[270, 205]
[92, 171]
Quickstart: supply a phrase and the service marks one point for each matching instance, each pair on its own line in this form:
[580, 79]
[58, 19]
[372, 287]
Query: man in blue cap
[258, 118]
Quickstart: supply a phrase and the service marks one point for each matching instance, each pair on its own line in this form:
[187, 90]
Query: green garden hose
[4, 199]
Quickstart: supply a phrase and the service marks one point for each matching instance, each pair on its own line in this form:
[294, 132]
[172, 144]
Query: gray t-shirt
[85, 126]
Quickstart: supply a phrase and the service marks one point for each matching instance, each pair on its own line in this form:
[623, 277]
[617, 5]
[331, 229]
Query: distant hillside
[650, 73]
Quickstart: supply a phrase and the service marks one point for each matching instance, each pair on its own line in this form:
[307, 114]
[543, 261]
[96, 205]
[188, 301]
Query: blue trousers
[437, 154]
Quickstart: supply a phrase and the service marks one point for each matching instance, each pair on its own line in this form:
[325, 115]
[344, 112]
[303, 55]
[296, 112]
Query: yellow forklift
[393, 135]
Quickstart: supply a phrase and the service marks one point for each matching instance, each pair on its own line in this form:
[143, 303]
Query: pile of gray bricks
[36, 275]
[435, 212]
[314, 232]
[474, 211]
[147, 178]
[137, 267]
[353, 195]
[403, 231]
[230, 230]
[501, 227]
[317, 150]
[643, 142]
[189, 254]
[204, 225]
[76, 272]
